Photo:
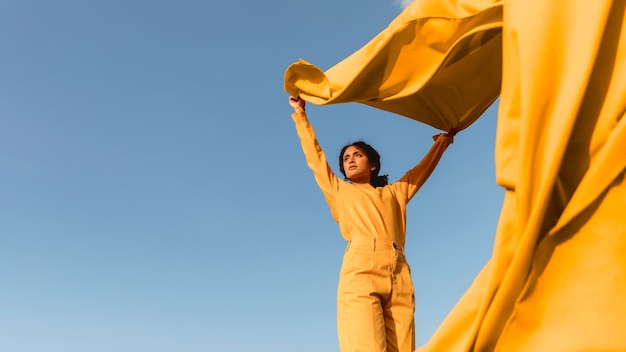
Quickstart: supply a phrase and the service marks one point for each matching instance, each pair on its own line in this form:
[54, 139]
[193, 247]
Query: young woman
[375, 298]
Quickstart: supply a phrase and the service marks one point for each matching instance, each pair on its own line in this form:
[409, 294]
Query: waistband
[374, 243]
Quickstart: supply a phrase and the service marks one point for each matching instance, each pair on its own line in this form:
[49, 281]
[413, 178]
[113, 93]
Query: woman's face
[356, 165]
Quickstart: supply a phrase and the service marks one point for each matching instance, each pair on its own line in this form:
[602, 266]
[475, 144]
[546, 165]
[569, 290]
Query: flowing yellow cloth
[438, 62]
[557, 277]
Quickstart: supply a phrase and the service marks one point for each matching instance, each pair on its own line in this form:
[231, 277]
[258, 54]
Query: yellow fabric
[557, 277]
[438, 62]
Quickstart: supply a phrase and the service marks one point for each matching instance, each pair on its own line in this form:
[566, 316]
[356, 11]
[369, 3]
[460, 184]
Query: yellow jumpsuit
[375, 298]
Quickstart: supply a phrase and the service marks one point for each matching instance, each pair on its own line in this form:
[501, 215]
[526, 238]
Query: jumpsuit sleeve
[410, 183]
[316, 160]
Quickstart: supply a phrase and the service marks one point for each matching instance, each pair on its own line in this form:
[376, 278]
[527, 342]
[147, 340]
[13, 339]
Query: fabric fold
[422, 66]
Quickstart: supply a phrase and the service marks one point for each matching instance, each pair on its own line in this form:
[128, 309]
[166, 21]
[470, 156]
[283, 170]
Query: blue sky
[153, 194]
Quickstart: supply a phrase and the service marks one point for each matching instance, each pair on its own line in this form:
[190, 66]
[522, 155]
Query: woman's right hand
[449, 136]
[297, 104]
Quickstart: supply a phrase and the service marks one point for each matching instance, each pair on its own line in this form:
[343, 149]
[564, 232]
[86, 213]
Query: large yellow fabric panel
[438, 62]
[557, 277]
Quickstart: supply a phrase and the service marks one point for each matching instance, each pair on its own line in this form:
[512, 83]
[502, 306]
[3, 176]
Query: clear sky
[153, 193]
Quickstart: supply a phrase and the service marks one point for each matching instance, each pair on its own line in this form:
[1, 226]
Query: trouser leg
[364, 279]
[399, 311]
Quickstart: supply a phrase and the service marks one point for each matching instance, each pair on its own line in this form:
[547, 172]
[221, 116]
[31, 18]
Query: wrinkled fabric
[556, 280]
[557, 277]
[438, 62]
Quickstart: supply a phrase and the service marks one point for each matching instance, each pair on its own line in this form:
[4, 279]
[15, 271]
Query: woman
[375, 299]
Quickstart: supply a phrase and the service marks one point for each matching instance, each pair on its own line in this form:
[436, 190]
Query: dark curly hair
[374, 159]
